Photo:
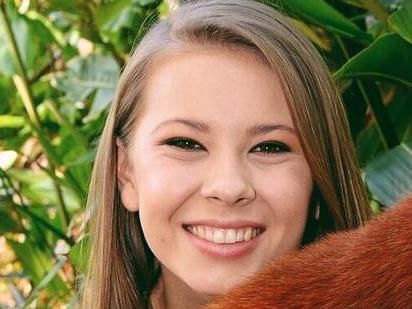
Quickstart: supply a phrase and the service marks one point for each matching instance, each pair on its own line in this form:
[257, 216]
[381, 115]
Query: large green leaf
[401, 21]
[321, 13]
[32, 39]
[96, 73]
[389, 176]
[389, 57]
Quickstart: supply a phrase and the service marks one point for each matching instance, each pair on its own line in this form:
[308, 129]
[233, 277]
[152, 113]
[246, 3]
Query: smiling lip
[233, 250]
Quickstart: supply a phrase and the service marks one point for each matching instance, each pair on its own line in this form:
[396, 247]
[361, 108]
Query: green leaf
[321, 13]
[97, 73]
[401, 21]
[32, 39]
[369, 144]
[79, 253]
[9, 121]
[8, 222]
[7, 95]
[119, 22]
[37, 186]
[389, 176]
[61, 260]
[36, 264]
[70, 6]
[389, 57]
[113, 14]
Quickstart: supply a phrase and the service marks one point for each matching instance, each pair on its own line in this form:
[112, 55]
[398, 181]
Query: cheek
[163, 187]
[287, 190]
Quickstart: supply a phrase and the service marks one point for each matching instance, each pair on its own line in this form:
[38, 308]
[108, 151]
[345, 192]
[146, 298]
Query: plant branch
[22, 85]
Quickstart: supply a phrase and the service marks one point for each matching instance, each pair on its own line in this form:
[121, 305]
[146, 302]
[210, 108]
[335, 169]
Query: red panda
[369, 267]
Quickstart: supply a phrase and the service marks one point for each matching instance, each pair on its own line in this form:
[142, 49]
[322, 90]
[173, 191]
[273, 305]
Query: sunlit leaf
[96, 73]
[9, 121]
[7, 159]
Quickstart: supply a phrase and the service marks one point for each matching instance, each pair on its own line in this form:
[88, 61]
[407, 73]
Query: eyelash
[188, 142]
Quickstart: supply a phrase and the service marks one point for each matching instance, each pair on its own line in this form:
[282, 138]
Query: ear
[127, 188]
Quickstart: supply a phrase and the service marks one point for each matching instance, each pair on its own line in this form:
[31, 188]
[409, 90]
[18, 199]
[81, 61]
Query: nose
[226, 183]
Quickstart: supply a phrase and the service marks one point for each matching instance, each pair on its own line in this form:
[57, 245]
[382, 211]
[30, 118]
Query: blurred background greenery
[59, 64]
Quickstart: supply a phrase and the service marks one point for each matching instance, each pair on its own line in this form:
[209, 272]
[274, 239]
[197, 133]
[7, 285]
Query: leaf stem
[376, 8]
[20, 79]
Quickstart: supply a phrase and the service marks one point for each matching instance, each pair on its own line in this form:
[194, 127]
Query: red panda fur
[369, 267]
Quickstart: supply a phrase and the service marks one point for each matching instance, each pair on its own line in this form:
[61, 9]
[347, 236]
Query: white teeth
[230, 236]
[201, 231]
[254, 233]
[209, 234]
[248, 233]
[220, 236]
[239, 235]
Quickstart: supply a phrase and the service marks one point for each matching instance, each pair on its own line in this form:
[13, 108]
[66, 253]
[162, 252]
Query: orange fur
[370, 267]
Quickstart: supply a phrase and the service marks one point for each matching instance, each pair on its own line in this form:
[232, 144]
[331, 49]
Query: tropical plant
[59, 64]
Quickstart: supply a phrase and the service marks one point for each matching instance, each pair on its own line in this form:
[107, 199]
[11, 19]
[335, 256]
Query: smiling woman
[219, 182]
[226, 146]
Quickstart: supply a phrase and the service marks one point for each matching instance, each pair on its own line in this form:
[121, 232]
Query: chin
[216, 286]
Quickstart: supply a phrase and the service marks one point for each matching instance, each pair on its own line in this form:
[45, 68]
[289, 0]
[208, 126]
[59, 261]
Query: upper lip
[234, 224]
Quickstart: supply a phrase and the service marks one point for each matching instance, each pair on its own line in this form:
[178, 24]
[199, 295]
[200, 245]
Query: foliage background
[59, 64]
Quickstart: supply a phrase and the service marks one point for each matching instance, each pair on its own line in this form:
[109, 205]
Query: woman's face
[215, 152]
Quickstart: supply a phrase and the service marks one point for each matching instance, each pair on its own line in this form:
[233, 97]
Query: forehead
[215, 85]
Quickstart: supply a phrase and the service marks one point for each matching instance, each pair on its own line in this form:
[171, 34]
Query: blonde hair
[122, 269]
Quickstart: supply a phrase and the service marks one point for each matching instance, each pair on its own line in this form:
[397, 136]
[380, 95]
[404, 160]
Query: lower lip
[215, 250]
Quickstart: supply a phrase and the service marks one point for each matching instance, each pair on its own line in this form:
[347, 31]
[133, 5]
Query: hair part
[122, 269]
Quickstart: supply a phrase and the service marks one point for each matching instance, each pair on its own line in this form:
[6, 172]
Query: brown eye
[271, 147]
[184, 143]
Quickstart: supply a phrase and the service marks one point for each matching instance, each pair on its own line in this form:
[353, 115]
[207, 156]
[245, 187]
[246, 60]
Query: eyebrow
[255, 130]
